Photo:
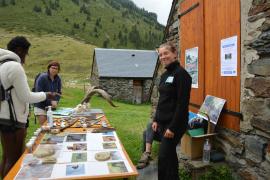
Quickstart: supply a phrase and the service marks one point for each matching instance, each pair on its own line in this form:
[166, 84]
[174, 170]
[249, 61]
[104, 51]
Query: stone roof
[125, 63]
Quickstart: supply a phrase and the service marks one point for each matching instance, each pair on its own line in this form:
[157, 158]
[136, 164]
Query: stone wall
[249, 151]
[119, 88]
[146, 90]
[122, 88]
[94, 75]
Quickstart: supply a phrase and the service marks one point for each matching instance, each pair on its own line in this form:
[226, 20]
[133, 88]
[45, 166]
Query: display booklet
[212, 106]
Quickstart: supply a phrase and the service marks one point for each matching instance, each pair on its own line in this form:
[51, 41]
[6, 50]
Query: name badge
[169, 79]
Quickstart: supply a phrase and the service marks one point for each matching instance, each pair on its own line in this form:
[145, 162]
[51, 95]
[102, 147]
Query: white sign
[228, 56]
[191, 65]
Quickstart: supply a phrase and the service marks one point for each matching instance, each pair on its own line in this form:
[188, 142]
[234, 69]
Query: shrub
[218, 173]
[184, 175]
[48, 11]
[13, 2]
[106, 43]
[37, 9]
[3, 3]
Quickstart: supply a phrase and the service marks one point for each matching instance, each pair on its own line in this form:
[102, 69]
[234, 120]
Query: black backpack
[34, 86]
[5, 95]
[34, 90]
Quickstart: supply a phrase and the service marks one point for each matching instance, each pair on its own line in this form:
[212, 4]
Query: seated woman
[49, 81]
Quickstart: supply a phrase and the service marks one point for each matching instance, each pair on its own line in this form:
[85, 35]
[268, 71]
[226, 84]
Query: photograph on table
[77, 147]
[36, 171]
[109, 133]
[79, 157]
[117, 167]
[108, 156]
[75, 169]
[115, 155]
[47, 150]
[108, 138]
[52, 139]
[110, 145]
[76, 138]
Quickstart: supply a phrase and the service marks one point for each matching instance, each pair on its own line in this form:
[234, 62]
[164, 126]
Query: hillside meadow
[105, 23]
[74, 56]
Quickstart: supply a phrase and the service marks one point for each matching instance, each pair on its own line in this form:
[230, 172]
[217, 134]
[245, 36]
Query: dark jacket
[174, 90]
[45, 84]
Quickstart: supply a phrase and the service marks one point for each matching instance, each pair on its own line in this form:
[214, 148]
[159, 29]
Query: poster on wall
[228, 56]
[191, 65]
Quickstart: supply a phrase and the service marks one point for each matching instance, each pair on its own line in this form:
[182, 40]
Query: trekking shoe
[144, 161]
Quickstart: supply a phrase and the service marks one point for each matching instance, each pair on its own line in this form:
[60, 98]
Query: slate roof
[125, 63]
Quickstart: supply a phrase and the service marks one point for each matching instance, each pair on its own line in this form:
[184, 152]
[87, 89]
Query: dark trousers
[13, 147]
[167, 158]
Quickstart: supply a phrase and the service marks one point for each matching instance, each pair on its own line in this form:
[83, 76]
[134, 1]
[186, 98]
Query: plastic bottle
[206, 151]
[50, 116]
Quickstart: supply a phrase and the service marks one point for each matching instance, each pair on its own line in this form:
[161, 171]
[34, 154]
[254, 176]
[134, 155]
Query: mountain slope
[105, 23]
[74, 56]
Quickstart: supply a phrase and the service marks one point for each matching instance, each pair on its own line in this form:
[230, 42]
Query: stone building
[244, 133]
[125, 74]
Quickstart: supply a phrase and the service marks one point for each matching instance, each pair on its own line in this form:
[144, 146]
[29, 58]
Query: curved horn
[93, 90]
[105, 95]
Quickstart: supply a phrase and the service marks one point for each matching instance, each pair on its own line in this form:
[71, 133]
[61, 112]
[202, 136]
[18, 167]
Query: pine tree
[48, 11]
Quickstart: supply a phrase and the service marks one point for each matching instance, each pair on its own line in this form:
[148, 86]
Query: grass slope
[74, 56]
[99, 23]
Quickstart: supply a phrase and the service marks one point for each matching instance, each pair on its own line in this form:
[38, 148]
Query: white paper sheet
[228, 56]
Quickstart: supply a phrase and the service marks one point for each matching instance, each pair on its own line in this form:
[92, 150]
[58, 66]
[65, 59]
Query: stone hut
[126, 74]
[244, 126]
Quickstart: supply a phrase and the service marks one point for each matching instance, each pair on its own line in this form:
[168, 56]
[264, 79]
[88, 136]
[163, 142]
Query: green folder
[195, 132]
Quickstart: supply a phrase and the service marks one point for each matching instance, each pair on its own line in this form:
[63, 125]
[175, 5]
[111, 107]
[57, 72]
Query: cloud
[160, 7]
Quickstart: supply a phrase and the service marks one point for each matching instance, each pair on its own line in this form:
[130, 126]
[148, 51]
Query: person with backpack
[48, 81]
[15, 98]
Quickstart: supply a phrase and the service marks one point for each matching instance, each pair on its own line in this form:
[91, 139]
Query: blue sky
[160, 7]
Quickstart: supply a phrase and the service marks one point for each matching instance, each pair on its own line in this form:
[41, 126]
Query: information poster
[228, 56]
[191, 65]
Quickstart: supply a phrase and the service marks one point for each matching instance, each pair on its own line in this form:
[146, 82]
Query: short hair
[170, 46]
[54, 63]
[18, 42]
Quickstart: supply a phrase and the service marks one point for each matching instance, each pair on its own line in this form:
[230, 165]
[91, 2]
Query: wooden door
[222, 20]
[205, 26]
[192, 35]
[137, 91]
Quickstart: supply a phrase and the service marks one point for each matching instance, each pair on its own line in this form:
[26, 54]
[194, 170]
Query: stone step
[149, 172]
